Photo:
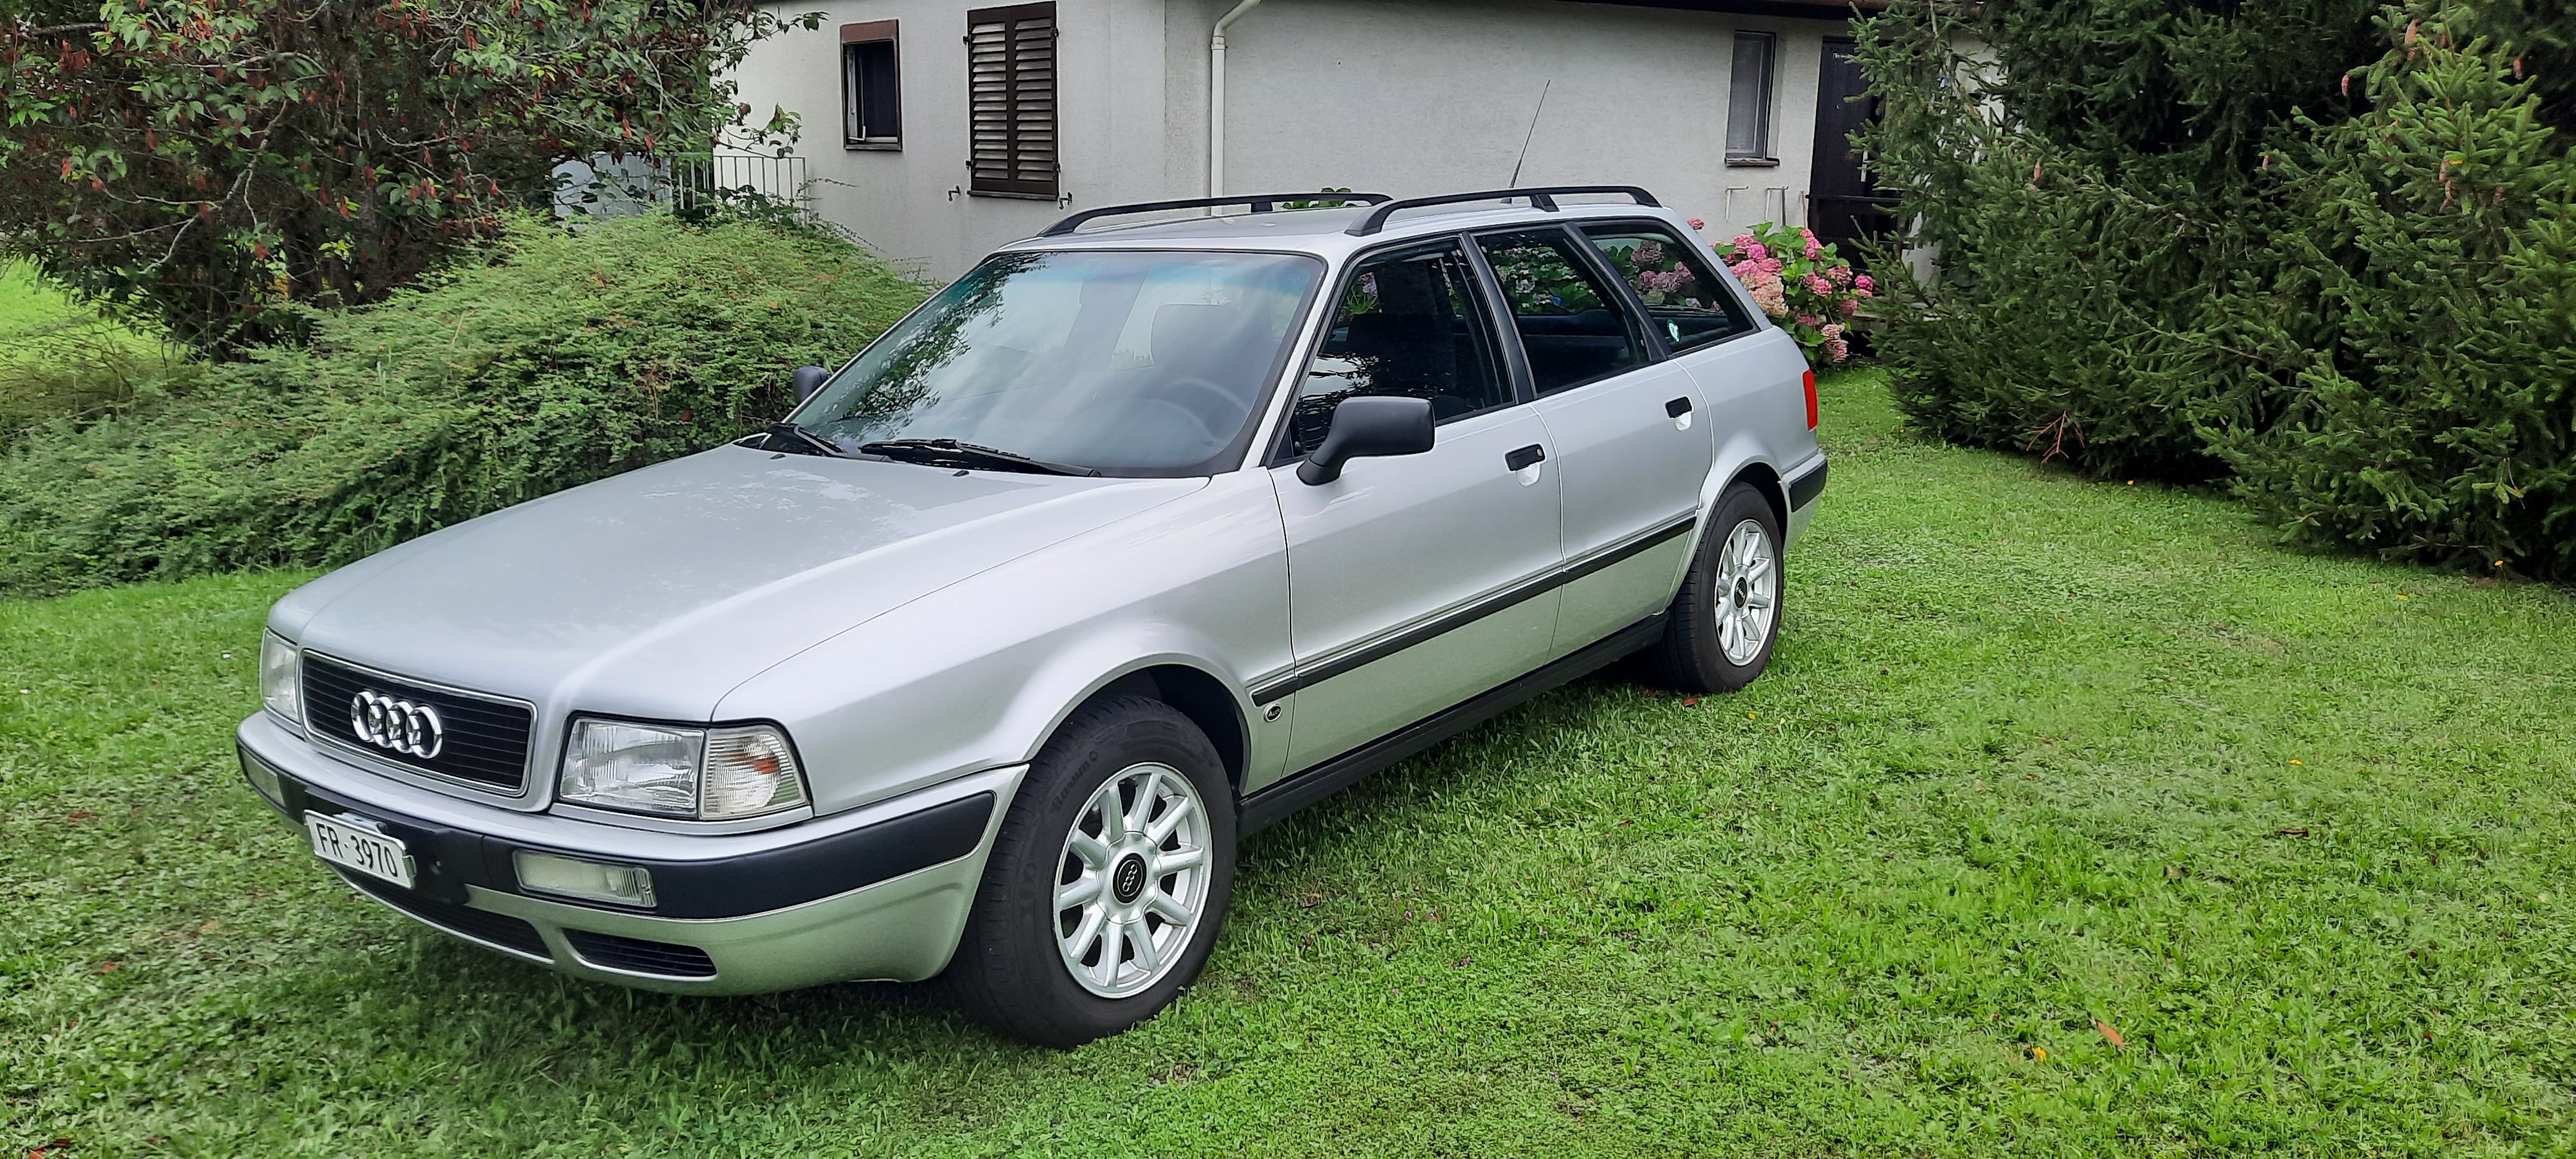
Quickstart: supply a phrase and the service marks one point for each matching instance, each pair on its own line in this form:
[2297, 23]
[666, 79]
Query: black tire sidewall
[1703, 658]
[1009, 969]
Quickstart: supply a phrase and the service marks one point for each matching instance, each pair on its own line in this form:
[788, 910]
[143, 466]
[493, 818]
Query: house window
[871, 88]
[1748, 100]
[1010, 65]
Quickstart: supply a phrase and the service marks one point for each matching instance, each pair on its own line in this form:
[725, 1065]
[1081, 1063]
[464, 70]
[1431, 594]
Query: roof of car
[1324, 232]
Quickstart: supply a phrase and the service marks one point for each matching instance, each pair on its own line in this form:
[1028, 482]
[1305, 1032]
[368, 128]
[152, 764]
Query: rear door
[1624, 424]
[1414, 581]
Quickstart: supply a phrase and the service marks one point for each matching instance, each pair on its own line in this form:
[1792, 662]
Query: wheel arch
[1766, 481]
[1192, 691]
[1740, 460]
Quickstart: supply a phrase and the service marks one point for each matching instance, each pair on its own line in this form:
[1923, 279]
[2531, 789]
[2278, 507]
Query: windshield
[1124, 362]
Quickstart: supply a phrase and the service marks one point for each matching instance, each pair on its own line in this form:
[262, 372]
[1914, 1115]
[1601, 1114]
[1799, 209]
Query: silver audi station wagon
[1132, 541]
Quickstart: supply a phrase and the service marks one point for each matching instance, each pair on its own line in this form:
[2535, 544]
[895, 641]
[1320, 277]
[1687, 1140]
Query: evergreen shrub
[556, 359]
[2316, 247]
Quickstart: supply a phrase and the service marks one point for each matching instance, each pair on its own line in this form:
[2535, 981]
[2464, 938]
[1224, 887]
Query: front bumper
[879, 892]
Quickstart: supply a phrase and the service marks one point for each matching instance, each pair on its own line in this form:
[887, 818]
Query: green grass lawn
[2035, 754]
[30, 308]
[58, 357]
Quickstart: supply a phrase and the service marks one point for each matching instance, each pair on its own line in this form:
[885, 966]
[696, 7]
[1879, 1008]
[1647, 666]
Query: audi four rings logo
[397, 725]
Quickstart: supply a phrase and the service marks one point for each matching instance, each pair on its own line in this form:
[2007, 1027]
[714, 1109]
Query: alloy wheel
[1748, 592]
[1131, 886]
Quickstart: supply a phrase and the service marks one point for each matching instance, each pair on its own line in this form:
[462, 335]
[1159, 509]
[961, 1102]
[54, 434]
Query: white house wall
[911, 205]
[1432, 96]
[1402, 96]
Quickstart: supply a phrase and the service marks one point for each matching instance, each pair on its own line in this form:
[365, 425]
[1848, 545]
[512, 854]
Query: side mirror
[1365, 427]
[808, 380]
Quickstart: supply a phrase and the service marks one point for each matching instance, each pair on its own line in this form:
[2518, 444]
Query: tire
[1013, 969]
[1718, 635]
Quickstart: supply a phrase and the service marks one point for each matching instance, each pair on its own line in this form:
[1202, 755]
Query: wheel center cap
[1127, 882]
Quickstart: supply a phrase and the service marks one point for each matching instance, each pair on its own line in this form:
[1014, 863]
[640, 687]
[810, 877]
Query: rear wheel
[1721, 628]
[1108, 882]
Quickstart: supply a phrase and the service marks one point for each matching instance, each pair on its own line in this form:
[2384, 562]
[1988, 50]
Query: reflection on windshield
[1126, 362]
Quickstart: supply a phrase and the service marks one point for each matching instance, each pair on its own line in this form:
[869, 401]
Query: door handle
[1525, 458]
[1677, 408]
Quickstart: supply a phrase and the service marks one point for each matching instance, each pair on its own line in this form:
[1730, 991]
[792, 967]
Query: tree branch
[64, 29]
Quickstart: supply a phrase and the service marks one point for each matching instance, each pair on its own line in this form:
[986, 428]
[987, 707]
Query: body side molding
[1275, 802]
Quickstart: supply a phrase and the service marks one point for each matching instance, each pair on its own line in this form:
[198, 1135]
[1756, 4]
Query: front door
[1412, 579]
[1843, 205]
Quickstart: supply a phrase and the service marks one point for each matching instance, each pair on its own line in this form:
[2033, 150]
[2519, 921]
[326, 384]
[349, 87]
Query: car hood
[655, 592]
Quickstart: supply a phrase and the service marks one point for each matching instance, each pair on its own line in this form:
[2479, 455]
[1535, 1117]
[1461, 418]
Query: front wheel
[1720, 630]
[1108, 881]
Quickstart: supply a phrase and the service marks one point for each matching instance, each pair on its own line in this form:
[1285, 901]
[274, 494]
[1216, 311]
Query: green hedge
[2321, 249]
[556, 360]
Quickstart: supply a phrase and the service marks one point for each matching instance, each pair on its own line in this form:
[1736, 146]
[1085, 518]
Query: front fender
[978, 674]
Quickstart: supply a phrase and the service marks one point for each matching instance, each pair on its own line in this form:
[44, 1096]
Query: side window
[1683, 297]
[1571, 324]
[1408, 324]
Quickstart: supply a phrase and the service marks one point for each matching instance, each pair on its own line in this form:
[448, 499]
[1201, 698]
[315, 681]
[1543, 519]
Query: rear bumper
[880, 893]
[1803, 486]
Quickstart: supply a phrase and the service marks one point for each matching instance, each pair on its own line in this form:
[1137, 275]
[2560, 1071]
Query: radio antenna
[1515, 182]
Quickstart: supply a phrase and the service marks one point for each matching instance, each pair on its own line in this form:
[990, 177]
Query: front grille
[639, 956]
[486, 741]
[480, 925]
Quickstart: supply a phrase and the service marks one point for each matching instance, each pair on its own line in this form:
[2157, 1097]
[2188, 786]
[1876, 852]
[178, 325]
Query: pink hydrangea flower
[1696, 223]
[1810, 320]
[1863, 284]
[1817, 285]
[1744, 243]
[1836, 350]
[1831, 330]
[1860, 292]
[1770, 265]
[1839, 275]
[1850, 307]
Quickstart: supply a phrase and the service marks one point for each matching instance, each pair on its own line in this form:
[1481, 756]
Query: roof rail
[1260, 203]
[1543, 197]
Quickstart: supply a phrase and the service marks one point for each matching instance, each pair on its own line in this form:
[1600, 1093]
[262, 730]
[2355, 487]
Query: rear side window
[1683, 297]
[1571, 323]
[1408, 324]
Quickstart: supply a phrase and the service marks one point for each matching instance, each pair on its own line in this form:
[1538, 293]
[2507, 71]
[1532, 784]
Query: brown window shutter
[1010, 80]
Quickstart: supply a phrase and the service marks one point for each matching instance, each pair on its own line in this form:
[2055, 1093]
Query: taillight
[1811, 400]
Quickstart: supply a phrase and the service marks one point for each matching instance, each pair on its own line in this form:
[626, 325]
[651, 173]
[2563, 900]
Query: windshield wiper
[813, 444]
[951, 453]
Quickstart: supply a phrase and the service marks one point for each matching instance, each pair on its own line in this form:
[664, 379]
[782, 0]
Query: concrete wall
[1401, 96]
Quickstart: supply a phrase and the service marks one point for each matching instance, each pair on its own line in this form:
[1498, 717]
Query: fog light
[589, 880]
[262, 778]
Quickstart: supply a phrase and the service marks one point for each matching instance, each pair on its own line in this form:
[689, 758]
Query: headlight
[675, 771]
[278, 687]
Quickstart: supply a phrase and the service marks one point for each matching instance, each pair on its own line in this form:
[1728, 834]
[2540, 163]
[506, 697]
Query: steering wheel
[1226, 402]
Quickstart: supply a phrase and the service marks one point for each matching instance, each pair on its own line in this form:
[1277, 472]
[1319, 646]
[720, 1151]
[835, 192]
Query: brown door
[1842, 205]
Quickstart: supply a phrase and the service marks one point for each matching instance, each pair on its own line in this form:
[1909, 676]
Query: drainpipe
[1216, 97]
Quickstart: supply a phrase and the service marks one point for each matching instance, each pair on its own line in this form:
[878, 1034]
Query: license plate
[356, 847]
